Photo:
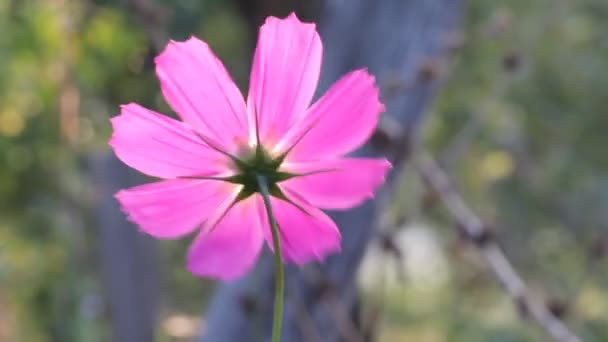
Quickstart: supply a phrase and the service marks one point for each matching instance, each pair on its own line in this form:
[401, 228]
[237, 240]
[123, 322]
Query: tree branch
[504, 271]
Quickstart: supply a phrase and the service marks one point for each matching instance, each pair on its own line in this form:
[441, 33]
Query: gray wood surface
[129, 258]
[395, 39]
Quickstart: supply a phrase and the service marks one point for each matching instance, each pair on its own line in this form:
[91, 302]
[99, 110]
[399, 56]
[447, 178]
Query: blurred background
[517, 120]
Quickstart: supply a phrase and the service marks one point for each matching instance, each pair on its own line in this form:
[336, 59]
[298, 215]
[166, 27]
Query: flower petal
[198, 87]
[339, 122]
[176, 207]
[230, 248]
[284, 75]
[307, 234]
[162, 147]
[336, 184]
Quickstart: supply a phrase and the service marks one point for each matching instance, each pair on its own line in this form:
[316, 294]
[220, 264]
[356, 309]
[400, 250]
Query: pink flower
[209, 160]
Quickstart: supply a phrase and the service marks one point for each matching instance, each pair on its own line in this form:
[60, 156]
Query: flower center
[259, 162]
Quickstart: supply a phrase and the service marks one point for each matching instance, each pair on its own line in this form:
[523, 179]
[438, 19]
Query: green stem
[278, 258]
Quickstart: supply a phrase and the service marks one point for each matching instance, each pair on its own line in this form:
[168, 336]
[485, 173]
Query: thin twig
[504, 271]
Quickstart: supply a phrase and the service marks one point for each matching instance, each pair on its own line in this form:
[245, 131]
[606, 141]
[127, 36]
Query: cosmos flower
[209, 160]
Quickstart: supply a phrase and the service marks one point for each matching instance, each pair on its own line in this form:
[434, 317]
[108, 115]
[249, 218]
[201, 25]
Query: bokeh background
[519, 123]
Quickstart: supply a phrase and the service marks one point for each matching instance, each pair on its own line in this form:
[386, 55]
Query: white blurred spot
[183, 326]
[423, 264]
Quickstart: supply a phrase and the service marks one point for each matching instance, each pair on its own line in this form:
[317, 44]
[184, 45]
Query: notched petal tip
[131, 110]
[120, 196]
[386, 164]
[194, 39]
[160, 146]
[385, 167]
[292, 18]
[171, 209]
[128, 106]
[381, 108]
[341, 184]
[199, 89]
[365, 75]
[174, 45]
[284, 76]
[115, 122]
[364, 71]
[343, 119]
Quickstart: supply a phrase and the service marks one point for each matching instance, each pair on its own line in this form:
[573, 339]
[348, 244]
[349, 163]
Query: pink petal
[198, 87]
[307, 234]
[162, 147]
[229, 249]
[342, 120]
[336, 184]
[284, 75]
[176, 207]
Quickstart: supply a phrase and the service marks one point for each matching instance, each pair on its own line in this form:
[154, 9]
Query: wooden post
[397, 40]
[129, 258]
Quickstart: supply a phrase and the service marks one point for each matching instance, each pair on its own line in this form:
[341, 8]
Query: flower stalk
[278, 258]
